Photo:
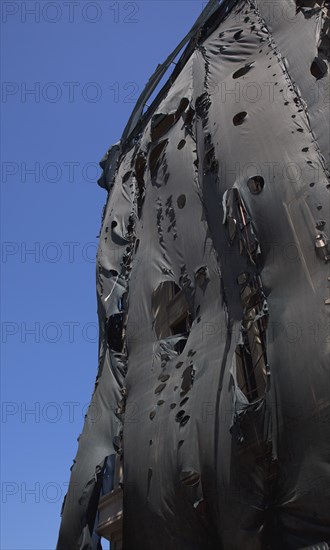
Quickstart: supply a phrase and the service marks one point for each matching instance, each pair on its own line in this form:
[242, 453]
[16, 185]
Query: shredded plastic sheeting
[221, 187]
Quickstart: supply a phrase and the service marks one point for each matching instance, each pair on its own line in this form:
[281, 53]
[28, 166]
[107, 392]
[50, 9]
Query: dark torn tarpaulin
[221, 187]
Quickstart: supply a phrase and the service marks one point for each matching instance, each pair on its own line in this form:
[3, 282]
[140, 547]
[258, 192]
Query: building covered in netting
[213, 298]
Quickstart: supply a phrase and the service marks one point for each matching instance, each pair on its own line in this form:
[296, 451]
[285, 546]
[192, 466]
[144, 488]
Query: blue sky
[71, 72]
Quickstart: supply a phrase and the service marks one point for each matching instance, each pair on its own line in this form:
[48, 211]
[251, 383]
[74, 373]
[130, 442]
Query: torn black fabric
[215, 394]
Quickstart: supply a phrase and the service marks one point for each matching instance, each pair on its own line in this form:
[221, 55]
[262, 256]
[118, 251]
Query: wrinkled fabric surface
[222, 187]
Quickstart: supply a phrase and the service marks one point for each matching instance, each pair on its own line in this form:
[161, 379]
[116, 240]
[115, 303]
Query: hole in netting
[189, 116]
[171, 313]
[239, 118]
[202, 105]
[185, 420]
[126, 176]
[182, 107]
[181, 201]
[181, 144]
[160, 388]
[187, 379]
[238, 34]
[243, 70]
[256, 184]
[319, 68]
[161, 122]
[190, 478]
[181, 327]
[202, 277]
[155, 156]
[130, 228]
[140, 166]
[179, 416]
[115, 331]
[160, 125]
[320, 224]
